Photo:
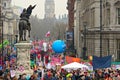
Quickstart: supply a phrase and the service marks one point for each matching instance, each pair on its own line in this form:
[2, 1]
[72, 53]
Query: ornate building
[49, 9]
[89, 27]
[0, 22]
[7, 17]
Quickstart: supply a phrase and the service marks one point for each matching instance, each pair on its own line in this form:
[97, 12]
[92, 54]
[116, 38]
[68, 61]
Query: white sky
[60, 6]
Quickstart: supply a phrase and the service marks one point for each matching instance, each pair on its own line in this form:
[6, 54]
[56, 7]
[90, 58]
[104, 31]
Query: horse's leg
[29, 33]
[24, 35]
[20, 36]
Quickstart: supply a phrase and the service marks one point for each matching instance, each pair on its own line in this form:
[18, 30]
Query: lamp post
[100, 28]
[84, 48]
[2, 42]
[2, 17]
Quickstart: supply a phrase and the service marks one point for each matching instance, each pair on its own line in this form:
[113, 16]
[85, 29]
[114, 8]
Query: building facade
[0, 22]
[88, 12]
[77, 28]
[49, 9]
[7, 17]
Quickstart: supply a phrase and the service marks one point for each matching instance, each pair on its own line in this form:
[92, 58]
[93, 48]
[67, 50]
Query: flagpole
[2, 40]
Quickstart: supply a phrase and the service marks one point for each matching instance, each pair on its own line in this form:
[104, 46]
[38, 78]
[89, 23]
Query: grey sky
[60, 6]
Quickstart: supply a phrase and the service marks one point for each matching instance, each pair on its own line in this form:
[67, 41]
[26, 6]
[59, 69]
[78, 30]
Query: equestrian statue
[24, 24]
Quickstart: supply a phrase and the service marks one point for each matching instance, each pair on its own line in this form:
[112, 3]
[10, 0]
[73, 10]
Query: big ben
[49, 9]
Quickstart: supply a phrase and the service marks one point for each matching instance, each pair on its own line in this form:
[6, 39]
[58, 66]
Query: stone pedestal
[23, 58]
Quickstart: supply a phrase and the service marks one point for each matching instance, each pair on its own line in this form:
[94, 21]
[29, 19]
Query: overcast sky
[60, 6]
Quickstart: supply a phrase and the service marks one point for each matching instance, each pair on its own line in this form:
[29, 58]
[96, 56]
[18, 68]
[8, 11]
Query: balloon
[90, 58]
[58, 46]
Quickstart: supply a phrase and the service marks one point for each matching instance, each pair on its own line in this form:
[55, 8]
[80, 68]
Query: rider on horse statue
[25, 16]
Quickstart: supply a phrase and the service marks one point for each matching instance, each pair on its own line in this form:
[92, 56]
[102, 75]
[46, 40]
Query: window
[4, 4]
[118, 49]
[92, 18]
[118, 15]
[108, 16]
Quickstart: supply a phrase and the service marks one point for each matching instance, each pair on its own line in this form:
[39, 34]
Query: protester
[1, 75]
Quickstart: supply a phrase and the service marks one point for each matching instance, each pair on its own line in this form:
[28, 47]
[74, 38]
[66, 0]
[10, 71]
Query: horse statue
[24, 26]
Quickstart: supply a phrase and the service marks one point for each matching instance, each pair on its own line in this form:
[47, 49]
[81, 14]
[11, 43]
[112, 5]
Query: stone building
[0, 23]
[7, 17]
[49, 9]
[87, 27]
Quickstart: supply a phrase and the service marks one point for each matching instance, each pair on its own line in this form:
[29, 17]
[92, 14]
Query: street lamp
[2, 17]
[100, 28]
[84, 33]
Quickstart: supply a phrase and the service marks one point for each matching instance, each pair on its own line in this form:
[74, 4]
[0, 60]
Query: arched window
[117, 5]
[106, 13]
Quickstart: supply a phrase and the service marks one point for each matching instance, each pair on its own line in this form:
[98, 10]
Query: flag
[101, 62]
[6, 42]
[47, 34]
[55, 60]
[72, 59]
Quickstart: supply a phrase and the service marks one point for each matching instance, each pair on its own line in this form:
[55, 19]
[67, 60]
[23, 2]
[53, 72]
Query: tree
[59, 30]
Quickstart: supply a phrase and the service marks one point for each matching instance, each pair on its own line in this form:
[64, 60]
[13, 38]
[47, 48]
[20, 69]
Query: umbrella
[74, 65]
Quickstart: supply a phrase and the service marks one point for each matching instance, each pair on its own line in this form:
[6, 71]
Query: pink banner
[55, 61]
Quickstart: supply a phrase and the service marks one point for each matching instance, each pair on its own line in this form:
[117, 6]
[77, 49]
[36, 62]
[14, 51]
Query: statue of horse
[24, 26]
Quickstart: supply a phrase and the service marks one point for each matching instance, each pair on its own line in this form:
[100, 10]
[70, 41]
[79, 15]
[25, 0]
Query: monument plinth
[23, 58]
[23, 47]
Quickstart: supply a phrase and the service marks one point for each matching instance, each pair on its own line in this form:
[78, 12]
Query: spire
[49, 9]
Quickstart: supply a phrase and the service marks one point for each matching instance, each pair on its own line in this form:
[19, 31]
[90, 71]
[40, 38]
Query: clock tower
[49, 9]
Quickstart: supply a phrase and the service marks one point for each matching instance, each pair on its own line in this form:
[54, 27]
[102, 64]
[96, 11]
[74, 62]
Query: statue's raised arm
[29, 10]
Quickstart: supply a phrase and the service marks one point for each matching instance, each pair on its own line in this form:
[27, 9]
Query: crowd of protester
[51, 74]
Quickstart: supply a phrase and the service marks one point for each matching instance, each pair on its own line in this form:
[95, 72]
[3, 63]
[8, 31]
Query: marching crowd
[51, 74]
